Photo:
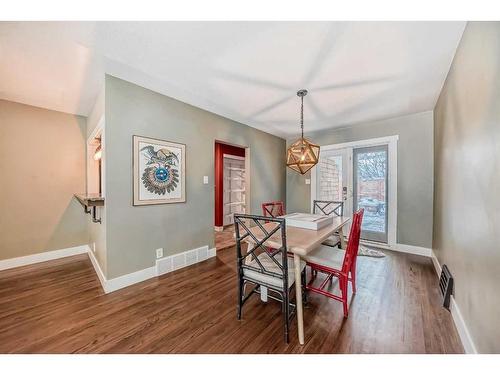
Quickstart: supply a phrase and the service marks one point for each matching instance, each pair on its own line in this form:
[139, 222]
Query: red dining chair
[273, 209]
[337, 263]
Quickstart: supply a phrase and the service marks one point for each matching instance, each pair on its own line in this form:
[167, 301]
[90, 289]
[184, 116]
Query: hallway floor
[225, 238]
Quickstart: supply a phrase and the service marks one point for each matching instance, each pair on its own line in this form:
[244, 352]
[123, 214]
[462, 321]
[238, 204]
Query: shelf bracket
[94, 215]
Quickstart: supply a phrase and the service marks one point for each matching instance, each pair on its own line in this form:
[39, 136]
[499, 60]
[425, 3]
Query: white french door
[370, 182]
[333, 176]
[363, 175]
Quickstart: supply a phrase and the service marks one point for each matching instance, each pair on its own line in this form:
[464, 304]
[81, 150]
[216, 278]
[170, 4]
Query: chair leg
[286, 317]
[241, 285]
[343, 289]
[353, 278]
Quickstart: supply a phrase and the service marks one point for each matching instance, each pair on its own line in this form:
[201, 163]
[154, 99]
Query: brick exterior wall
[331, 180]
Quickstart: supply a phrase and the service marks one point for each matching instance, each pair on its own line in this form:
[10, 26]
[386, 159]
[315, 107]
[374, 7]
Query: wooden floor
[59, 307]
[225, 238]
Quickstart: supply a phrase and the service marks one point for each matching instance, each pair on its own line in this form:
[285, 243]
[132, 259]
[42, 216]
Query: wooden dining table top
[299, 241]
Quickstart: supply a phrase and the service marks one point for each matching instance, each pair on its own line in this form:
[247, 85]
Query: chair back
[328, 207]
[353, 245]
[259, 229]
[273, 209]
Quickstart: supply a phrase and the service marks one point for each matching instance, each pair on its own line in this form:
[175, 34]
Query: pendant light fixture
[302, 155]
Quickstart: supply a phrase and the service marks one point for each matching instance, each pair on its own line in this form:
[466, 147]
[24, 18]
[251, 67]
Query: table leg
[298, 297]
[263, 293]
[342, 240]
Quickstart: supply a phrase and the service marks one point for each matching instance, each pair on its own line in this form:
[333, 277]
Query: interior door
[333, 176]
[370, 183]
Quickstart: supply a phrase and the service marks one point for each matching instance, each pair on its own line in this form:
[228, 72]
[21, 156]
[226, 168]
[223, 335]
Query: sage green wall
[467, 181]
[133, 233]
[415, 172]
[42, 164]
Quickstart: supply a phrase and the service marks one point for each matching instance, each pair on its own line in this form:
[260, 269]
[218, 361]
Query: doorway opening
[231, 190]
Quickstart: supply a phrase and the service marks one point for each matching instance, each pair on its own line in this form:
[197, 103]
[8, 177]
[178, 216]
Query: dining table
[300, 242]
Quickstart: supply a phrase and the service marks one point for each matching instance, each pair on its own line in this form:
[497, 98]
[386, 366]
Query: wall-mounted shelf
[90, 202]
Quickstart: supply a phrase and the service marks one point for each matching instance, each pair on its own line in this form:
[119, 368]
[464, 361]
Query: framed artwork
[159, 171]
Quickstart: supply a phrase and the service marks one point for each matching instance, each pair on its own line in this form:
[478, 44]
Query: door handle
[344, 193]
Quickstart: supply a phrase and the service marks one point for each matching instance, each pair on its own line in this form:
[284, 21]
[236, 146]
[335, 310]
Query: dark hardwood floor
[59, 307]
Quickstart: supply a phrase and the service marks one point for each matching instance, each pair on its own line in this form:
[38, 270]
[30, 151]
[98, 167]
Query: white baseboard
[410, 249]
[463, 331]
[97, 268]
[436, 264]
[42, 257]
[163, 266]
[122, 281]
[129, 279]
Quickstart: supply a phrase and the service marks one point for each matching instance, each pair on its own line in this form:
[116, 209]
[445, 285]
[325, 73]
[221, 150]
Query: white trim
[187, 258]
[184, 259]
[129, 279]
[361, 143]
[392, 219]
[162, 266]
[97, 269]
[42, 257]
[392, 143]
[98, 130]
[410, 249]
[399, 247]
[229, 156]
[463, 331]
[122, 281]
[436, 264]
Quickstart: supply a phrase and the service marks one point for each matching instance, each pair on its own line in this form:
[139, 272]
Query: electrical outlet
[308, 181]
[205, 180]
[159, 253]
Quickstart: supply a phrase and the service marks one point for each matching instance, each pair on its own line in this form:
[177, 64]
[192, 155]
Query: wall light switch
[159, 253]
[205, 180]
[308, 181]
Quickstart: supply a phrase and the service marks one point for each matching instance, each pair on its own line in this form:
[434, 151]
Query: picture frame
[159, 171]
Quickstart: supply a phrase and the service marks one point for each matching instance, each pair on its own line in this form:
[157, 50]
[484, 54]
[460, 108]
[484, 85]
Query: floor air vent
[446, 286]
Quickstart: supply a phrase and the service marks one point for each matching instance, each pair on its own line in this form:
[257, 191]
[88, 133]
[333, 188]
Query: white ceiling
[246, 71]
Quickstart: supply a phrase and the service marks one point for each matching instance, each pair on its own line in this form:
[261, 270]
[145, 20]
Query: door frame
[248, 195]
[392, 145]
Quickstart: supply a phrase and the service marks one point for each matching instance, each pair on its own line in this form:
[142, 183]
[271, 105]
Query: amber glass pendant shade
[302, 155]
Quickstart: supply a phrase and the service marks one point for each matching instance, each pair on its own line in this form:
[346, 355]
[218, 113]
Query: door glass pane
[330, 181]
[371, 190]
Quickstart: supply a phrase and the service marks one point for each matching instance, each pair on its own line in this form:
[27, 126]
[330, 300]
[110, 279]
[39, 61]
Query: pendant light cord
[302, 116]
